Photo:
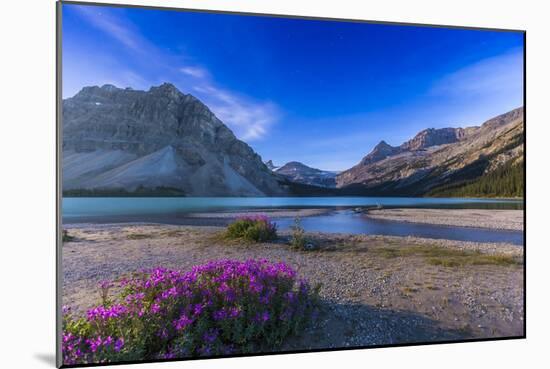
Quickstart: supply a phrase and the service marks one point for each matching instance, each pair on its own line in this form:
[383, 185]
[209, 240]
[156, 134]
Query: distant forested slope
[506, 181]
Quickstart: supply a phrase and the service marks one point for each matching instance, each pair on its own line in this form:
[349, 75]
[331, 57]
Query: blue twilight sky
[320, 92]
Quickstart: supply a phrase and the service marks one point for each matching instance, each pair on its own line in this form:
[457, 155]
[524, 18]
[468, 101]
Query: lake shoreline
[490, 226]
[372, 294]
[468, 218]
[511, 220]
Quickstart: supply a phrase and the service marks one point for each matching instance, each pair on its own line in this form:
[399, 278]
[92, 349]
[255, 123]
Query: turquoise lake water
[170, 210]
[106, 206]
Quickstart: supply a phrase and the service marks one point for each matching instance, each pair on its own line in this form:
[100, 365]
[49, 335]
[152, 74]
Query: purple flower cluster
[72, 353]
[262, 317]
[226, 313]
[260, 218]
[77, 350]
[98, 343]
[213, 309]
[183, 322]
[103, 313]
[104, 285]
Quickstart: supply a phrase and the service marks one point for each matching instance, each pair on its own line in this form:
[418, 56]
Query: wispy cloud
[194, 71]
[113, 26]
[499, 74]
[476, 92]
[248, 118]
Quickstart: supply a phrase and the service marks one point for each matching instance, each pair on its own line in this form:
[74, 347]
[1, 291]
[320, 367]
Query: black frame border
[59, 197]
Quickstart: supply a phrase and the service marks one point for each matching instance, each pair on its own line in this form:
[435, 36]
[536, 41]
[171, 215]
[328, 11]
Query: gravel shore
[371, 294]
[492, 219]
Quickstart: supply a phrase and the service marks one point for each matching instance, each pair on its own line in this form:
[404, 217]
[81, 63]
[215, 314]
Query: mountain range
[437, 159]
[164, 142]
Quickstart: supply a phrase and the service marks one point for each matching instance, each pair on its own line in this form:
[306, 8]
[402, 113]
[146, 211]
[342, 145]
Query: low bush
[219, 308]
[252, 228]
[298, 239]
[66, 237]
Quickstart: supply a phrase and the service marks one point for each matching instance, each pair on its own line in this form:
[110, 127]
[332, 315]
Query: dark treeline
[506, 181]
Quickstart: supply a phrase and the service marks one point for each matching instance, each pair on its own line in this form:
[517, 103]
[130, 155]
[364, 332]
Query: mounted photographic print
[245, 184]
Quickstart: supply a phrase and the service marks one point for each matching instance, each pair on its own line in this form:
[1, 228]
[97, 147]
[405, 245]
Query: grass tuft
[447, 257]
[139, 236]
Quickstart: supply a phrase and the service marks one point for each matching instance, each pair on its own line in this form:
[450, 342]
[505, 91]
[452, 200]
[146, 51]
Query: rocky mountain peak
[381, 151]
[432, 137]
[109, 87]
[270, 165]
[166, 89]
[382, 145]
[294, 164]
[301, 173]
[122, 136]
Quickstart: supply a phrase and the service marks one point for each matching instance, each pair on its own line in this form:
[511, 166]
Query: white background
[27, 208]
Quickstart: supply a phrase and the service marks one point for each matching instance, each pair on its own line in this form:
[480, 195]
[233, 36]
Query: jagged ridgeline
[162, 142]
[485, 161]
[125, 142]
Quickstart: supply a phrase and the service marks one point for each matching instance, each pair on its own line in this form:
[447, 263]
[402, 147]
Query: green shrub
[66, 237]
[252, 228]
[298, 239]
